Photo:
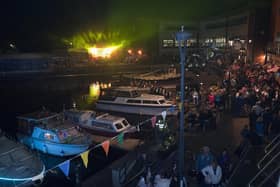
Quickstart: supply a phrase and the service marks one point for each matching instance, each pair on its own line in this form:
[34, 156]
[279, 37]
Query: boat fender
[45, 148]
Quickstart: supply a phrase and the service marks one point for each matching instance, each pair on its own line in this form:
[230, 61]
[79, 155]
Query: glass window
[102, 125]
[161, 101]
[168, 43]
[125, 123]
[133, 101]
[48, 136]
[182, 43]
[150, 102]
[118, 126]
[134, 93]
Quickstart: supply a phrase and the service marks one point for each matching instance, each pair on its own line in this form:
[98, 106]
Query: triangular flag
[106, 146]
[84, 156]
[65, 166]
[163, 115]
[154, 120]
[120, 138]
[180, 106]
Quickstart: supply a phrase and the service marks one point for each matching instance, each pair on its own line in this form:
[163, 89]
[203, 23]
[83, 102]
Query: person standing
[204, 159]
[212, 174]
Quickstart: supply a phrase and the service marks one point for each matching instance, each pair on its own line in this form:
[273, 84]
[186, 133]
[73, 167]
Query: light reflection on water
[23, 96]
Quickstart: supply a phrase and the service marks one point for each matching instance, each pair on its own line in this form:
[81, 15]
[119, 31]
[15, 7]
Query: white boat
[129, 100]
[18, 165]
[102, 124]
[49, 133]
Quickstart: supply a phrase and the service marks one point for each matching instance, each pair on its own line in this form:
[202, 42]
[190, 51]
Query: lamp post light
[182, 37]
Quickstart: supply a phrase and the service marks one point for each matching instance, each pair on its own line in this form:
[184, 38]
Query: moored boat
[49, 133]
[129, 100]
[99, 123]
[18, 165]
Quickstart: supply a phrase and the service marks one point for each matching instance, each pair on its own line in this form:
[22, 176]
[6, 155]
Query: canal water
[29, 94]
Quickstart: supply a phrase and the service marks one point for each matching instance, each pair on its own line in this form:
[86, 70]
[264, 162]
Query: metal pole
[181, 38]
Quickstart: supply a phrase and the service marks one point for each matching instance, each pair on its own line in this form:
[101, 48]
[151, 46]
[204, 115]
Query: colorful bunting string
[120, 138]
[84, 156]
[65, 166]
[180, 106]
[106, 146]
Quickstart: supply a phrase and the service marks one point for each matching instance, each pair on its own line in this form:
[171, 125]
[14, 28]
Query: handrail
[274, 139]
[256, 176]
[270, 175]
[267, 154]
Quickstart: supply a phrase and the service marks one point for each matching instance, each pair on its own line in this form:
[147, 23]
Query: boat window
[102, 125]
[118, 126]
[48, 136]
[133, 101]
[125, 123]
[134, 93]
[161, 101]
[108, 95]
[150, 102]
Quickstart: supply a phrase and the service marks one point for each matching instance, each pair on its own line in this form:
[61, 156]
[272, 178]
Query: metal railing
[273, 141]
[269, 176]
[262, 170]
[267, 154]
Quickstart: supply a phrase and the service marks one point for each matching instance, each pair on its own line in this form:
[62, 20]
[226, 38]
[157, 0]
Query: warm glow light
[105, 52]
[94, 90]
[129, 51]
[139, 52]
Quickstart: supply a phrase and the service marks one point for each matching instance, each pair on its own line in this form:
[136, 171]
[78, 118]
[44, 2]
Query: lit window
[168, 43]
[48, 136]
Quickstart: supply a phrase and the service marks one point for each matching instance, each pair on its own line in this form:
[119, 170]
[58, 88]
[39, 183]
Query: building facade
[243, 33]
[273, 49]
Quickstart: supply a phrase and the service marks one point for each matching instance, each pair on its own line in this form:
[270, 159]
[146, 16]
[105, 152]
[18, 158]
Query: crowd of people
[247, 90]
[255, 90]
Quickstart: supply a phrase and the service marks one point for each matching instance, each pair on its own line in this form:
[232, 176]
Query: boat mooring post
[181, 38]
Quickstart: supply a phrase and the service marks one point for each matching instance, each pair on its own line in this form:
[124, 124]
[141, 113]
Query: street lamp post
[181, 38]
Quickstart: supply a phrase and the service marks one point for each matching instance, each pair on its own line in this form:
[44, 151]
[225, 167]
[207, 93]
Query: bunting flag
[180, 106]
[65, 166]
[154, 120]
[120, 138]
[106, 145]
[84, 156]
[163, 115]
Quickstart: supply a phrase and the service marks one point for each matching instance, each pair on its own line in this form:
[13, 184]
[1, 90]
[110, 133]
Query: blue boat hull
[52, 148]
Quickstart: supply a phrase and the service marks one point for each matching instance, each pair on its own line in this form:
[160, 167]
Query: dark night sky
[43, 22]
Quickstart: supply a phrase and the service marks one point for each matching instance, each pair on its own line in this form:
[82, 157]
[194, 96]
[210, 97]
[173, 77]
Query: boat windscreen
[118, 126]
[134, 93]
[125, 123]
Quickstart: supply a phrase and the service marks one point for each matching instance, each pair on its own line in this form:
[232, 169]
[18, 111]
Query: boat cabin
[44, 119]
[98, 121]
[128, 92]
